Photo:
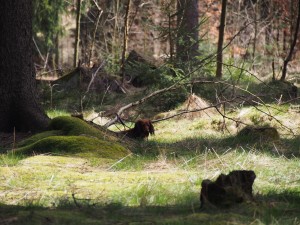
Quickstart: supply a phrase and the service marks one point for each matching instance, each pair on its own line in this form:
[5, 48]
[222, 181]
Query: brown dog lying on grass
[141, 130]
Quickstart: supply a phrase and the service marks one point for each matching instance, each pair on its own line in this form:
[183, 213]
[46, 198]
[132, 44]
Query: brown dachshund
[141, 130]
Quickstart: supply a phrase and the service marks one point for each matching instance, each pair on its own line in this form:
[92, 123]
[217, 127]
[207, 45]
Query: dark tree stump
[259, 133]
[227, 190]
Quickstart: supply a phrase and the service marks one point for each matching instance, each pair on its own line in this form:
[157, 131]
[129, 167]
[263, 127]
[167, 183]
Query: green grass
[52, 113]
[10, 159]
[159, 183]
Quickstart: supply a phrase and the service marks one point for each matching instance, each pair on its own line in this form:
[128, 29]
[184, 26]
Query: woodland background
[220, 86]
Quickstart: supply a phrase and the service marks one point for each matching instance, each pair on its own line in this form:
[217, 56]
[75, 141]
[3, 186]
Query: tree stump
[228, 190]
[259, 133]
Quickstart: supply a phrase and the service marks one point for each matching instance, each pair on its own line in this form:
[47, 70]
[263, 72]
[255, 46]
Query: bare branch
[108, 124]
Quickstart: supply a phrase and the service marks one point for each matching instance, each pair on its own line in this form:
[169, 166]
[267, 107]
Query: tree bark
[187, 36]
[19, 108]
[289, 56]
[125, 40]
[77, 34]
[256, 16]
[267, 14]
[221, 40]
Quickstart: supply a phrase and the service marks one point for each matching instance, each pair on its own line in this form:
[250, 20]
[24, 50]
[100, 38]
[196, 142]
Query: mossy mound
[74, 126]
[39, 136]
[73, 136]
[78, 145]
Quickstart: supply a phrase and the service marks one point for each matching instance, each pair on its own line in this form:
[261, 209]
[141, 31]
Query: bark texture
[19, 107]
[187, 22]
[221, 40]
[77, 33]
[294, 42]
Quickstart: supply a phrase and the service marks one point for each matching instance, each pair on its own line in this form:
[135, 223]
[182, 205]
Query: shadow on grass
[286, 147]
[272, 208]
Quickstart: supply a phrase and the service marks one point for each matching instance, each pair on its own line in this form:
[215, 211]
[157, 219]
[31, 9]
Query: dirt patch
[194, 107]
[194, 103]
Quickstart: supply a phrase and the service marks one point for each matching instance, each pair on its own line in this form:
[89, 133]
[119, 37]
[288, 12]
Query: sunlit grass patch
[68, 182]
[52, 113]
[46, 179]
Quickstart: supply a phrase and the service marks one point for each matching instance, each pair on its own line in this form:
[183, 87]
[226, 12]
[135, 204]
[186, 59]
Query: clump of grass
[10, 159]
[52, 113]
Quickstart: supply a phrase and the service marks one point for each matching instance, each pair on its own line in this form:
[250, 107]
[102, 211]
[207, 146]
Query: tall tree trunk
[77, 33]
[221, 40]
[290, 54]
[171, 42]
[188, 36]
[19, 106]
[125, 40]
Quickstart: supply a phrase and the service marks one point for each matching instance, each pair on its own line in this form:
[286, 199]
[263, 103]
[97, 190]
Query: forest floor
[160, 182]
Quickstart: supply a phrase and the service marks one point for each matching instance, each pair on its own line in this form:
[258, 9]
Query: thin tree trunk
[56, 52]
[289, 56]
[284, 40]
[267, 14]
[125, 40]
[292, 16]
[221, 40]
[94, 38]
[255, 8]
[170, 37]
[115, 42]
[19, 108]
[77, 34]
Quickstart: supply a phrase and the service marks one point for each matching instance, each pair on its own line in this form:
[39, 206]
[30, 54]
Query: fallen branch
[93, 77]
[111, 122]
[190, 111]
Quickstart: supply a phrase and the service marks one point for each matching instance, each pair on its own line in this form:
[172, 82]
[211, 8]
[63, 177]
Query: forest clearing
[158, 183]
[149, 112]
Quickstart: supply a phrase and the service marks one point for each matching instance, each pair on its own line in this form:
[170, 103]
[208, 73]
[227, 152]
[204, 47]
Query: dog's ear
[151, 128]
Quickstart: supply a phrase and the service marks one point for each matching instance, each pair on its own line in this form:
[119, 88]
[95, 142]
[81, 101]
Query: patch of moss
[78, 145]
[74, 126]
[39, 136]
